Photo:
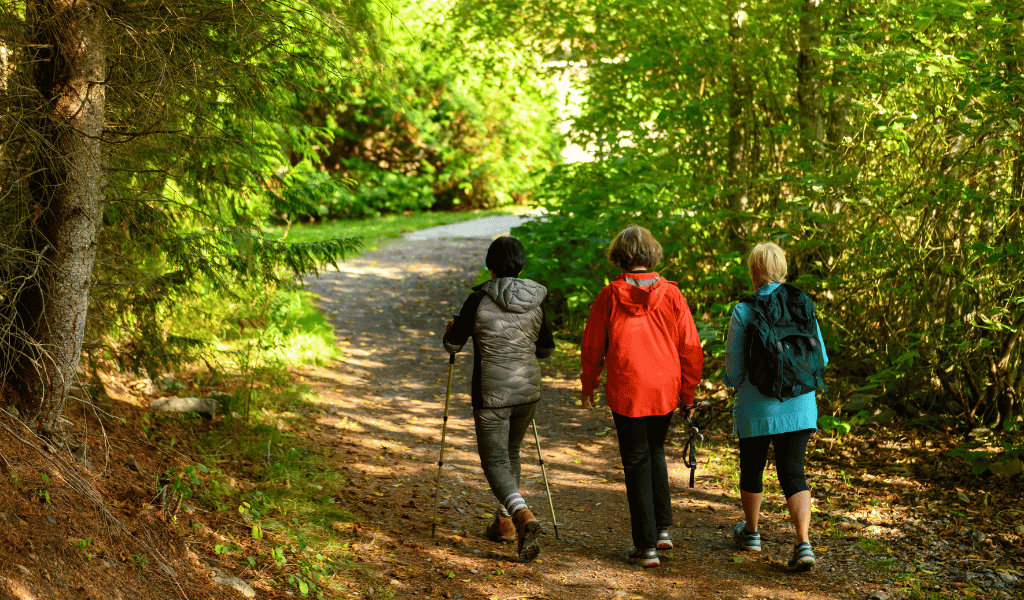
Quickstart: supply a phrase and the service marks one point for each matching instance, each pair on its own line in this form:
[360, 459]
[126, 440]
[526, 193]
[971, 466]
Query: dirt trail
[384, 421]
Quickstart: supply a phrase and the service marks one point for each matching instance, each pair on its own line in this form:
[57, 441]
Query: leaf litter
[892, 516]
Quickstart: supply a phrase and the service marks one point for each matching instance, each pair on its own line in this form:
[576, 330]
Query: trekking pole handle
[451, 355]
[697, 407]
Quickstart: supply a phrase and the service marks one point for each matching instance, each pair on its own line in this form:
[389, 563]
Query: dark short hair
[506, 256]
[633, 247]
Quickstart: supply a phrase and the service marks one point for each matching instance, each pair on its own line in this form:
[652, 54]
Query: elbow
[542, 353]
[732, 377]
[733, 380]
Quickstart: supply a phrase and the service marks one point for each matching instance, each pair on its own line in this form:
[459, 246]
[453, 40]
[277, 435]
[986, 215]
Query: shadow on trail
[383, 418]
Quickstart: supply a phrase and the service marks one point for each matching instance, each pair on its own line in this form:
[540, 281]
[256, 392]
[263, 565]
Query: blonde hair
[767, 264]
[633, 247]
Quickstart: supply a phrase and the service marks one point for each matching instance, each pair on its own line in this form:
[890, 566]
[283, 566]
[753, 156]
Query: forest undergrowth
[264, 503]
[325, 491]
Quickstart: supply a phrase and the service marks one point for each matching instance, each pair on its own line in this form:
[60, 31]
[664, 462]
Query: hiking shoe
[501, 529]
[746, 540]
[803, 557]
[646, 558]
[527, 531]
[664, 539]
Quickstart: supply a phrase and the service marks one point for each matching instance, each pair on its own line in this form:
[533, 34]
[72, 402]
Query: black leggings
[790, 449]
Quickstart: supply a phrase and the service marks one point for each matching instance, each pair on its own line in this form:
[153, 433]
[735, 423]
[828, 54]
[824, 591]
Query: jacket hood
[643, 298]
[515, 295]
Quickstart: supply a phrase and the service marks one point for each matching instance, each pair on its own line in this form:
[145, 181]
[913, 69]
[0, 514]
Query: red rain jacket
[644, 334]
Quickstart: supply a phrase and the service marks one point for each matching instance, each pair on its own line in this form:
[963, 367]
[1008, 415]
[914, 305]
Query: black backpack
[784, 357]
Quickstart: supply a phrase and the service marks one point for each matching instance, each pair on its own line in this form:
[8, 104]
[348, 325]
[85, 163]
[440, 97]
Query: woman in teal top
[760, 422]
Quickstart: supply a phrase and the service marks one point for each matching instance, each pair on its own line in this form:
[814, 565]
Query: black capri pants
[790, 449]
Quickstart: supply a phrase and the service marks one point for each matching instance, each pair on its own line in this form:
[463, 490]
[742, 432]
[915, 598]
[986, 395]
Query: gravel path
[486, 228]
[907, 528]
[384, 421]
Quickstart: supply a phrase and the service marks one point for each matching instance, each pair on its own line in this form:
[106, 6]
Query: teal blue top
[755, 414]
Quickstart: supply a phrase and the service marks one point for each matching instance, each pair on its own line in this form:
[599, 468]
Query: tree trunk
[837, 100]
[68, 191]
[1013, 73]
[808, 67]
[4, 68]
[736, 161]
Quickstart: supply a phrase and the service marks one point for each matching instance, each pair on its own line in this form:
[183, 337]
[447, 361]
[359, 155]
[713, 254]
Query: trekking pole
[690, 447]
[547, 487]
[696, 436]
[444, 429]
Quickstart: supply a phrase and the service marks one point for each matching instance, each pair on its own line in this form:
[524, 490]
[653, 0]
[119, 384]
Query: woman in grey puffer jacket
[510, 333]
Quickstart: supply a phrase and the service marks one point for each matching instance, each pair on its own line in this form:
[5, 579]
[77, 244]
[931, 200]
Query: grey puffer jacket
[507, 330]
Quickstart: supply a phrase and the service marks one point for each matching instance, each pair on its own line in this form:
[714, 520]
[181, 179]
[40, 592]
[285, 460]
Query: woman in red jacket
[641, 330]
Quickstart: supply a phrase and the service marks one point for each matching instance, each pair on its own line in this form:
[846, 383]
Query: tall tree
[70, 73]
[143, 144]
[808, 67]
[879, 142]
[737, 165]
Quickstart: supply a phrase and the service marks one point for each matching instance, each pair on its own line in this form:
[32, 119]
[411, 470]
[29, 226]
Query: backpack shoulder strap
[758, 309]
[794, 292]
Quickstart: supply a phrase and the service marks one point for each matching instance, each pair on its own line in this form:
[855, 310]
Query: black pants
[790, 449]
[642, 448]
